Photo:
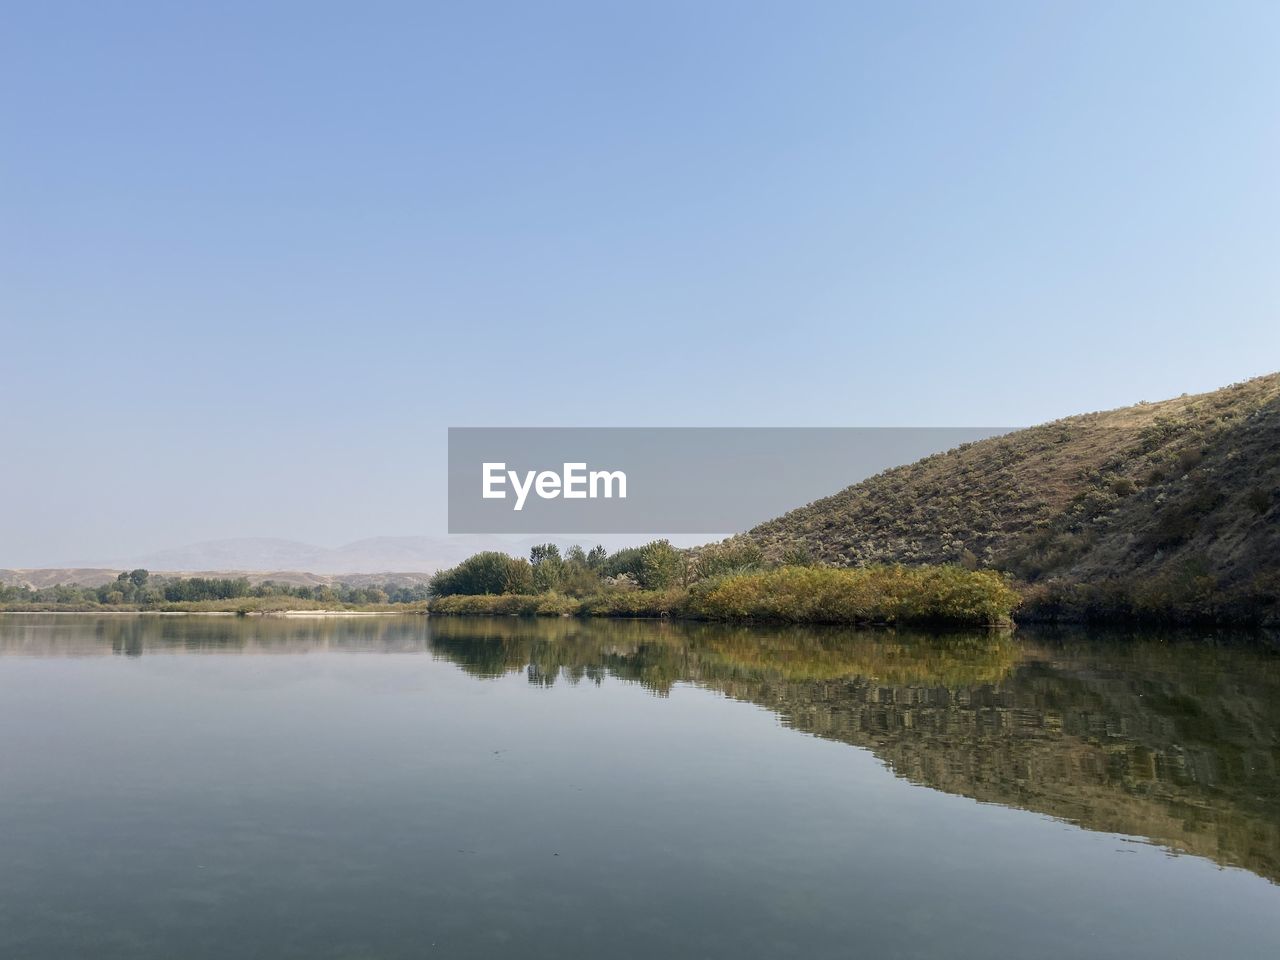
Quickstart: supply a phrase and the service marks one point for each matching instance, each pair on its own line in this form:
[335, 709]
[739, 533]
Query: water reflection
[58, 635]
[1173, 739]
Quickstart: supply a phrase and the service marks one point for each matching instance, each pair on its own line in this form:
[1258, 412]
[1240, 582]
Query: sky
[255, 258]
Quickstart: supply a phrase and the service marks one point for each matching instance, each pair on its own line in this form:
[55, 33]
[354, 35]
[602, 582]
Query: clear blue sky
[255, 257]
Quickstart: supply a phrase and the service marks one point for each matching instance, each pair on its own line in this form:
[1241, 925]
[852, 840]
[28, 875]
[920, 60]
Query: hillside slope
[1161, 510]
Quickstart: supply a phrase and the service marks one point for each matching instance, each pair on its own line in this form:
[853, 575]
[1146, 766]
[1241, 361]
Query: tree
[547, 567]
[139, 577]
[661, 565]
[489, 572]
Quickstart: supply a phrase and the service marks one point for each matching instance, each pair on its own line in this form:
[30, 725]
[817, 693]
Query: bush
[1122, 487]
[505, 605]
[1260, 500]
[879, 594]
[634, 603]
[906, 595]
[732, 556]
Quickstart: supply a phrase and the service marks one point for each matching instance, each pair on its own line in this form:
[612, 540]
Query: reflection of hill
[1188, 766]
[1175, 742]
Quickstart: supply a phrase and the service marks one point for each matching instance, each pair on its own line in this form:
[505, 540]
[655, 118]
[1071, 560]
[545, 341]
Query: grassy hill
[1160, 510]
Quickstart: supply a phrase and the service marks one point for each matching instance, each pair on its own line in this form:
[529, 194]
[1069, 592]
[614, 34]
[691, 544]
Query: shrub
[879, 594]
[1260, 500]
[486, 604]
[634, 603]
[729, 557]
[506, 605]
[1190, 458]
[555, 605]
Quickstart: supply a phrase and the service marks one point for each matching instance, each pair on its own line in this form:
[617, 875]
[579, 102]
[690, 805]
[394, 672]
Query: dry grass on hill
[1160, 509]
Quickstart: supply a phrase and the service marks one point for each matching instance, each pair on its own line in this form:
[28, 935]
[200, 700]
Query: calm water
[221, 787]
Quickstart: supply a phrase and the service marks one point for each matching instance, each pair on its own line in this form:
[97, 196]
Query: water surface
[398, 787]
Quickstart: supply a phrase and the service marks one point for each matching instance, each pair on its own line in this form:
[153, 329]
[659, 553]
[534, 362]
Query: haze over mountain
[371, 555]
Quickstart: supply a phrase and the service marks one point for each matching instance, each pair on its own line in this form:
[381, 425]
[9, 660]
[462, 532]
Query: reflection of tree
[658, 654]
[135, 635]
[1084, 740]
[1177, 742]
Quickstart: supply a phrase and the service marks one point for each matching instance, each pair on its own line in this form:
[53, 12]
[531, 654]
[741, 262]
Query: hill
[1159, 510]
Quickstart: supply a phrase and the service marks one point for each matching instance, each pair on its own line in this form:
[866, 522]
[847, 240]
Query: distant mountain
[377, 560]
[38, 577]
[402, 561]
[1167, 509]
[372, 555]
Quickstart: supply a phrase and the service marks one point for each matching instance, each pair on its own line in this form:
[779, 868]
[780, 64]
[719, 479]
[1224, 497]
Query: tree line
[577, 572]
[142, 589]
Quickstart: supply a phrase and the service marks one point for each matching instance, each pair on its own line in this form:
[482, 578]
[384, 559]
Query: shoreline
[265, 614]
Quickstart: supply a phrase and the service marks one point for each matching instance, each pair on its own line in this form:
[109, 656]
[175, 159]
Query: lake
[402, 787]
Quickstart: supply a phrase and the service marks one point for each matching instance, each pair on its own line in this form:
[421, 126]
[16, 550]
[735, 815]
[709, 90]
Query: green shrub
[505, 605]
[634, 603]
[879, 594]
[555, 605]
[732, 556]
[488, 604]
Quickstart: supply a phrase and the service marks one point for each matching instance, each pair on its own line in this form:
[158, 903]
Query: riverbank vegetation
[726, 582]
[139, 590]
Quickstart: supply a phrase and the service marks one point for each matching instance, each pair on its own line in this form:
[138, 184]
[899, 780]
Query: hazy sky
[256, 257]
